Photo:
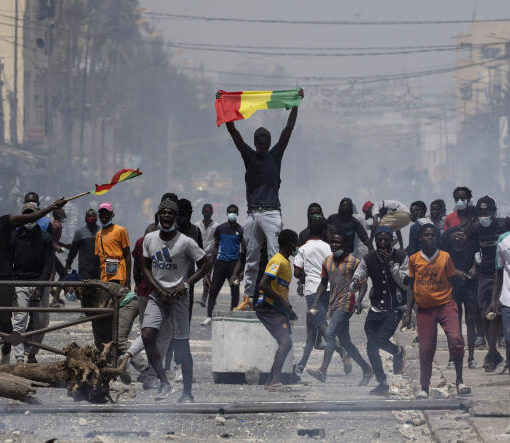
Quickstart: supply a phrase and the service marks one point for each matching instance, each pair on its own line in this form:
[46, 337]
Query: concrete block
[240, 345]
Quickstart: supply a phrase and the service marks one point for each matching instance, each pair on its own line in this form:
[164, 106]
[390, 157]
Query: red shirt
[452, 220]
[56, 233]
[143, 287]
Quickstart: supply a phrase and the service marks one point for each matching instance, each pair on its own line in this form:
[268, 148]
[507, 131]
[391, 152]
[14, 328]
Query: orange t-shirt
[115, 239]
[431, 285]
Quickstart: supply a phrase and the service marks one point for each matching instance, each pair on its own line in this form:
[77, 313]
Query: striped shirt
[339, 275]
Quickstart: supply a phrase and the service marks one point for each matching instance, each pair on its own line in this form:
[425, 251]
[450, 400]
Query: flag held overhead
[231, 106]
[120, 176]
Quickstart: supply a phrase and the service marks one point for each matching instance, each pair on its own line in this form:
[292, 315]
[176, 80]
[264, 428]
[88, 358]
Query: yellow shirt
[115, 240]
[279, 268]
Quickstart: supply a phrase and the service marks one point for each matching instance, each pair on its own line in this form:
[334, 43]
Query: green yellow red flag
[231, 106]
[120, 176]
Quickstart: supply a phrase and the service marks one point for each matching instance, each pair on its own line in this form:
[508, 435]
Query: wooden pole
[77, 196]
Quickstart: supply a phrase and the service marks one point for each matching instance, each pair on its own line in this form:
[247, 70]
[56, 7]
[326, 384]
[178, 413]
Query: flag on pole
[232, 106]
[120, 176]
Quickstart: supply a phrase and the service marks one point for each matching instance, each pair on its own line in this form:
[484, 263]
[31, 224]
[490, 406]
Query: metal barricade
[16, 338]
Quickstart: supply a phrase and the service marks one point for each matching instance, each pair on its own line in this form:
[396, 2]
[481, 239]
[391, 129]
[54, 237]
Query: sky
[341, 139]
[299, 35]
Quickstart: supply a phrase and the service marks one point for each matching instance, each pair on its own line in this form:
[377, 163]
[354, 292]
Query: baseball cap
[367, 206]
[486, 202]
[106, 206]
[29, 207]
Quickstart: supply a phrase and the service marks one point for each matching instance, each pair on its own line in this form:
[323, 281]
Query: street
[359, 426]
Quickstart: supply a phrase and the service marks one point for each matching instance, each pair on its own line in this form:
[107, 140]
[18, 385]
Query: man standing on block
[262, 179]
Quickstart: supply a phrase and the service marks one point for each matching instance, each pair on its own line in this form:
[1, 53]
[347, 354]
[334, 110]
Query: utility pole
[84, 89]
[14, 99]
[2, 130]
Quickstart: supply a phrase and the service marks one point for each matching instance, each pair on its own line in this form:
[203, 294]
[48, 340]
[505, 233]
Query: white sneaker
[421, 395]
[178, 373]
[206, 322]
[6, 359]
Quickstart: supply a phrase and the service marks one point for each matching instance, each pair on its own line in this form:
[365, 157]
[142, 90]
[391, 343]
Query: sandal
[463, 389]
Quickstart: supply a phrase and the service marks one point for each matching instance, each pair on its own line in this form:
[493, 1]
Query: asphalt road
[350, 426]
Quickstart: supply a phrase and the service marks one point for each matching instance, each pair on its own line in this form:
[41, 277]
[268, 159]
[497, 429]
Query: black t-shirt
[350, 227]
[262, 176]
[487, 240]
[463, 260]
[5, 248]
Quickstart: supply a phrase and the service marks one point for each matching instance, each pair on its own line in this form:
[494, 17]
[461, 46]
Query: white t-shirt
[207, 235]
[309, 259]
[503, 262]
[171, 259]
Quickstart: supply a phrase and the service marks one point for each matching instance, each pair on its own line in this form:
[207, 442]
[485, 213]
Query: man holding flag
[263, 166]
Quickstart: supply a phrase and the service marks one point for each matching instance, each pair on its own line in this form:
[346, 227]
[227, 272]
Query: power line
[305, 54]
[366, 79]
[165, 15]
[338, 48]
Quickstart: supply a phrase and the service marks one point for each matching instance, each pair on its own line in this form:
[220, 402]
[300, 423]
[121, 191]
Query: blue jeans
[322, 307]
[505, 316]
[339, 327]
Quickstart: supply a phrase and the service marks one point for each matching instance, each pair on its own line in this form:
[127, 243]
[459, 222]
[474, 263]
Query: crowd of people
[454, 268]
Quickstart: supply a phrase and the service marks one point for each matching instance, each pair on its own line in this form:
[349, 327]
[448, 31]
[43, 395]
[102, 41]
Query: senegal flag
[119, 176]
[232, 106]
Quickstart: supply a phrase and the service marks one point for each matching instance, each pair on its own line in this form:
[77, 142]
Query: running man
[387, 268]
[432, 274]
[308, 267]
[264, 221]
[168, 255]
[338, 270]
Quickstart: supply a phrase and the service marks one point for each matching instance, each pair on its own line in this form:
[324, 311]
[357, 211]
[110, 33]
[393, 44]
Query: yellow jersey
[279, 268]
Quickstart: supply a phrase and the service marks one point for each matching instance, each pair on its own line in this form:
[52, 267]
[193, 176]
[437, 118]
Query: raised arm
[23, 219]
[241, 146]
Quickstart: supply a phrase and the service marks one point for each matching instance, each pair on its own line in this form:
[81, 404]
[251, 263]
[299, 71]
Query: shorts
[177, 314]
[322, 307]
[505, 316]
[275, 322]
[466, 293]
[485, 285]
[396, 220]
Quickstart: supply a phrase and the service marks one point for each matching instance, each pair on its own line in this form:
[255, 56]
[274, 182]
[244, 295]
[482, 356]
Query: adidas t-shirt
[171, 259]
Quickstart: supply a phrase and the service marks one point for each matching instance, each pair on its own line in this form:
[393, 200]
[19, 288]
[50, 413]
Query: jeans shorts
[177, 314]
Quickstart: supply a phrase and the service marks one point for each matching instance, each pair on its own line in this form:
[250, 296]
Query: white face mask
[31, 226]
[170, 229]
[232, 217]
[485, 221]
[295, 252]
[461, 204]
[338, 253]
